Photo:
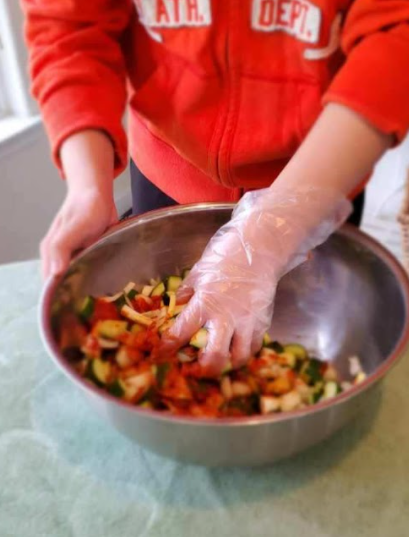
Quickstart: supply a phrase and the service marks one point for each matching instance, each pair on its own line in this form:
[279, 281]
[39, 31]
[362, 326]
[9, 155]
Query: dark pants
[147, 197]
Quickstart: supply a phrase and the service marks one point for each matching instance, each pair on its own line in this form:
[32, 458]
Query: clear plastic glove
[234, 283]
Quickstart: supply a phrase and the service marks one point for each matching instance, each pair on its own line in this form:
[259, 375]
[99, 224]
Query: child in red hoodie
[285, 105]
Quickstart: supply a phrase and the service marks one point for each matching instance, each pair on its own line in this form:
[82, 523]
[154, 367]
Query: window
[15, 99]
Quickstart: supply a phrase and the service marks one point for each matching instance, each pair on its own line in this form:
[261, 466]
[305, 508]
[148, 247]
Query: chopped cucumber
[132, 294]
[297, 350]
[275, 346]
[199, 340]
[111, 329]
[120, 302]
[310, 371]
[98, 371]
[289, 358]
[317, 392]
[266, 340]
[117, 388]
[173, 283]
[87, 308]
[159, 290]
[161, 373]
[331, 389]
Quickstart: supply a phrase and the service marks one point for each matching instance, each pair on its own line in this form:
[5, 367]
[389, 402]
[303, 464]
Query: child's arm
[339, 151]
[78, 77]
[271, 232]
[88, 209]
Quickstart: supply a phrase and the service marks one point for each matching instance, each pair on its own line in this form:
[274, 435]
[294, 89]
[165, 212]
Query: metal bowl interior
[350, 298]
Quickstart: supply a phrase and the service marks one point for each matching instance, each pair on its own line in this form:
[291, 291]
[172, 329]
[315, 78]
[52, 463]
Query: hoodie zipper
[227, 126]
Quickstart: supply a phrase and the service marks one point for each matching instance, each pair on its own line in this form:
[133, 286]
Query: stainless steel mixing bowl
[351, 298]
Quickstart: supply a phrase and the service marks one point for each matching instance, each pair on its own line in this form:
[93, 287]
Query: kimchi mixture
[113, 342]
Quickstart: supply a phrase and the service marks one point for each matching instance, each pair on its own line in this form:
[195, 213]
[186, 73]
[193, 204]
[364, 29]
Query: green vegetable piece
[159, 290]
[166, 299]
[311, 371]
[116, 389]
[298, 350]
[112, 329]
[266, 340]
[87, 308]
[132, 294]
[161, 373]
[275, 346]
[120, 302]
[199, 340]
[98, 371]
[173, 283]
[185, 273]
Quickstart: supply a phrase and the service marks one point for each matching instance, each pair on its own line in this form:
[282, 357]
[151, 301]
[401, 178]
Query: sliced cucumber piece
[199, 340]
[159, 289]
[310, 371]
[117, 388]
[98, 371]
[289, 359]
[173, 283]
[87, 308]
[161, 373]
[297, 350]
[266, 340]
[120, 302]
[132, 294]
[331, 389]
[275, 346]
[111, 329]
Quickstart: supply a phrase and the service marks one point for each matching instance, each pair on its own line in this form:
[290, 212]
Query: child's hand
[82, 218]
[234, 282]
[88, 210]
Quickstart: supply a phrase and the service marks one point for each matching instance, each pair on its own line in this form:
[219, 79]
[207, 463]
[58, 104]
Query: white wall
[31, 192]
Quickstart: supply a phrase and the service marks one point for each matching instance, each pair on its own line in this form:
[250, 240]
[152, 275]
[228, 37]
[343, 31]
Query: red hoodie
[221, 92]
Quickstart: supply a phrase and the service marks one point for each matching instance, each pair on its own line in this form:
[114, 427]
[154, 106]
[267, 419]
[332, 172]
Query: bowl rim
[347, 230]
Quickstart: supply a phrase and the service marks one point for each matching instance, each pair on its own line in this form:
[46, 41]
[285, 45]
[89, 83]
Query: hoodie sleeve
[374, 81]
[77, 67]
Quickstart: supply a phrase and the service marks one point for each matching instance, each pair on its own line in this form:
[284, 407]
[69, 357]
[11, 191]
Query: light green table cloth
[65, 473]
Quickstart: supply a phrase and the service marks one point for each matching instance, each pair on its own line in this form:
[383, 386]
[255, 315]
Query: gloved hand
[234, 283]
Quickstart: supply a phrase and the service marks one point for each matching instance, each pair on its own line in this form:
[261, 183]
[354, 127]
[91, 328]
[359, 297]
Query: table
[65, 473]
